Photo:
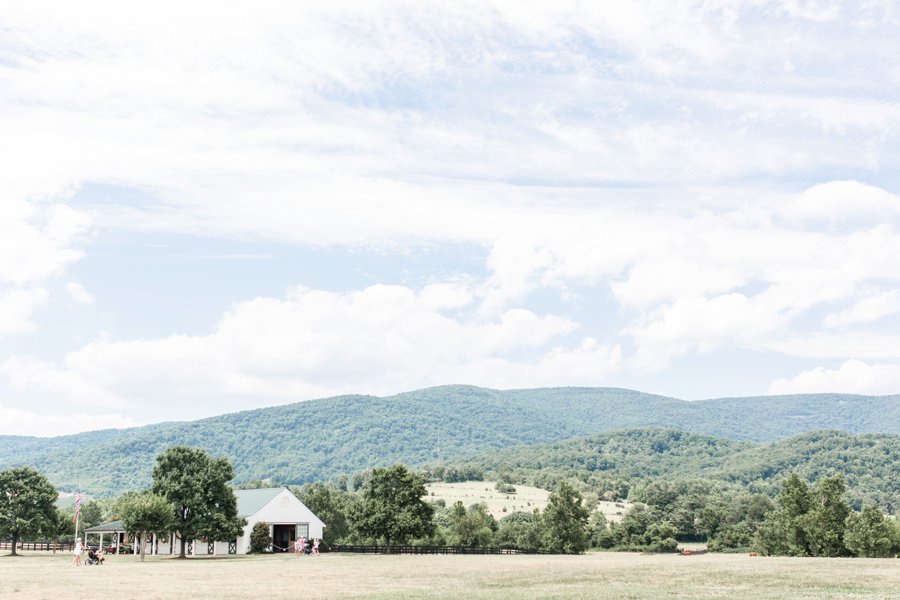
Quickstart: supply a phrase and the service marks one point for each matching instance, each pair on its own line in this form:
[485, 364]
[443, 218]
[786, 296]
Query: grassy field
[525, 499]
[611, 576]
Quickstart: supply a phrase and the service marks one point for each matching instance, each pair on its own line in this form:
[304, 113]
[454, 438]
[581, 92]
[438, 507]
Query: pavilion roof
[112, 526]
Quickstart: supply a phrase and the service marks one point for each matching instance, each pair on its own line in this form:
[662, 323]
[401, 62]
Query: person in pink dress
[315, 549]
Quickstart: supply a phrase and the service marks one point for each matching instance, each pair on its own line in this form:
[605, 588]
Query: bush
[260, 540]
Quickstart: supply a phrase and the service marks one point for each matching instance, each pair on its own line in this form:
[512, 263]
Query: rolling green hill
[870, 463]
[320, 439]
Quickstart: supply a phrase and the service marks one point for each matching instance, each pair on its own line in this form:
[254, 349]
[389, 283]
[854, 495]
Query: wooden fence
[40, 546]
[429, 550]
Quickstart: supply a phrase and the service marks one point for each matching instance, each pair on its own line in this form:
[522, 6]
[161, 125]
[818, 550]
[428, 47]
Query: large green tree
[196, 485]
[90, 514]
[146, 513]
[330, 504]
[784, 531]
[26, 505]
[565, 521]
[392, 509]
[826, 519]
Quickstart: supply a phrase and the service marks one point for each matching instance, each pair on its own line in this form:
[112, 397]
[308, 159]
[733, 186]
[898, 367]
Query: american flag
[77, 504]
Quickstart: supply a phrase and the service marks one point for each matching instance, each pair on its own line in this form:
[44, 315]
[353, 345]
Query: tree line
[803, 520]
[190, 496]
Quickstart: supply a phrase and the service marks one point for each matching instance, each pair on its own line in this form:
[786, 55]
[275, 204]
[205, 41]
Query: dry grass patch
[613, 576]
[525, 499]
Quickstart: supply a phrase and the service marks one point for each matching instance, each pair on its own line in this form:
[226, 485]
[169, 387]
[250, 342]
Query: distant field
[525, 499]
[611, 576]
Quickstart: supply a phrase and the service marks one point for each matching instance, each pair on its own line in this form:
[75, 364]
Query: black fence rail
[429, 550]
[40, 546]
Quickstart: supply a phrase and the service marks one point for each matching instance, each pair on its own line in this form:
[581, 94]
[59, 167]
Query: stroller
[94, 558]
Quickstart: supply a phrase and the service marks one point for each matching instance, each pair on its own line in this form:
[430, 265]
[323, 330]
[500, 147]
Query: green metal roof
[250, 501]
[112, 526]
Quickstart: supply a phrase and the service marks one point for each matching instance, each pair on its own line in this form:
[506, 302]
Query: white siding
[283, 509]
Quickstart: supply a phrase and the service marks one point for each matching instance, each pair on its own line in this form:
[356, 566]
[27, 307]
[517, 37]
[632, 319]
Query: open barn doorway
[283, 537]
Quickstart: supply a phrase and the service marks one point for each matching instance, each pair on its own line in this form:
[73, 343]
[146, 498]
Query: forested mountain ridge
[319, 439]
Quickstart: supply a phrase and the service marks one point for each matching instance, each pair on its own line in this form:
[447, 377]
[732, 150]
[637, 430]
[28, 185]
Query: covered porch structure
[114, 529]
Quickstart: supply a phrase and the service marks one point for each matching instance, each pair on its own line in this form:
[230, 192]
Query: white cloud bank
[63, 422]
[655, 152]
[311, 343]
[852, 377]
[37, 242]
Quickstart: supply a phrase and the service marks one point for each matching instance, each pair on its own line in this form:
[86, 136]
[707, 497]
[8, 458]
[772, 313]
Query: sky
[212, 207]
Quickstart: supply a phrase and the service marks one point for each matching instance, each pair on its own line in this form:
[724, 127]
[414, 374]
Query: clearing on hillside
[526, 498]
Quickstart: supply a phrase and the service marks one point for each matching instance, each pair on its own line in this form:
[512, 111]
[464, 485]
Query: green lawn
[595, 575]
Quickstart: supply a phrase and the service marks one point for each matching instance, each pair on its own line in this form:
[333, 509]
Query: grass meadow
[499, 504]
[608, 576]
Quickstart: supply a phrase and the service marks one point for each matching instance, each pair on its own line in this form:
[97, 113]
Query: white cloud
[36, 240]
[16, 308]
[867, 309]
[78, 293]
[862, 344]
[838, 202]
[852, 377]
[23, 422]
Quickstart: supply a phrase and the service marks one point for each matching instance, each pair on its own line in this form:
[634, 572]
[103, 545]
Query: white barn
[288, 519]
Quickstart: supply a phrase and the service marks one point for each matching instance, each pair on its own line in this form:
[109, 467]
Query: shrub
[260, 540]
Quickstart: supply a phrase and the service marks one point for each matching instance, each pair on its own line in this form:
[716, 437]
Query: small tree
[869, 534]
[26, 505]
[146, 513]
[565, 521]
[260, 538]
[392, 508]
[473, 527]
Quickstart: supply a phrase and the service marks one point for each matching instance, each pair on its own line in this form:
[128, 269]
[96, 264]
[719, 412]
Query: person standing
[79, 549]
[315, 549]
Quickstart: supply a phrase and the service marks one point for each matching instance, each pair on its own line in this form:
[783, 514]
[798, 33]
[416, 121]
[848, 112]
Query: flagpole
[77, 512]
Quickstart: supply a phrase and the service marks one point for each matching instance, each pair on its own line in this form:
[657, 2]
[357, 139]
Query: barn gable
[287, 517]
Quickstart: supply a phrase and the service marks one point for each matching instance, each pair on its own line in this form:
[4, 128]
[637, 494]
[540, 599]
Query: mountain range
[319, 439]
